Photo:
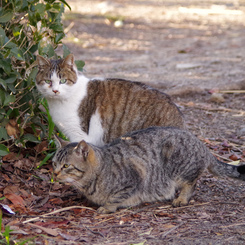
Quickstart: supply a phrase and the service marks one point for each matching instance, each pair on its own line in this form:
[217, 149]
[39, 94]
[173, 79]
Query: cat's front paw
[106, 209]
[178, 202]
[103, 210]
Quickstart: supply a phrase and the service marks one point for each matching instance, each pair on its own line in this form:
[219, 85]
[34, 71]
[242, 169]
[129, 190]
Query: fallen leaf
[49, 231]
[43, 146]
[56, 201]
[12, 128]
[11, 189]
[12, 157]
[147, 232]
[24, 164]
[190, 103]
[15, 199]
[168, 226]
[68, 236]
[235, 163]
[53, 224]
[17, 230]
[18, 202]
[163, 214]
[135, 215]
[234, 157]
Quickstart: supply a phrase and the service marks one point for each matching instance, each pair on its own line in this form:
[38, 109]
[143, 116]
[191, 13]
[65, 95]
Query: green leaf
[31, 138]
[3, 83]
[11, 79]
[6, 65]
[48, 50]
[57, 27]
[40, 8]
[17, 53]
[2, 96]
[66, 51]
[54, 10]
[32, 75]
[3, 133]
[9, 98]
[3, 150]
[10, 45]
[2, 36]
[6, 16]
[58, 37]
[44, 161]
[63, 1]
[80, 64]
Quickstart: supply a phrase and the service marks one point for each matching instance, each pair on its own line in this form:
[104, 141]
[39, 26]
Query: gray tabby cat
[99, 111]
[143, 166]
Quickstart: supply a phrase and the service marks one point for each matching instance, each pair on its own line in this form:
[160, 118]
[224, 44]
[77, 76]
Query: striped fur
[99, 111]
[144, 166]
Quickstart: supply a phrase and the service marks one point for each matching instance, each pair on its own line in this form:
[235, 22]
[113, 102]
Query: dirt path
[187, 49]
[180, 46]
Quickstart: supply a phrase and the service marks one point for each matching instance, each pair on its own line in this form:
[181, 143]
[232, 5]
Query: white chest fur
[64, 112]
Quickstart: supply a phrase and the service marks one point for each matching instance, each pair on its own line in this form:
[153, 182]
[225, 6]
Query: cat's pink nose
[55, 91]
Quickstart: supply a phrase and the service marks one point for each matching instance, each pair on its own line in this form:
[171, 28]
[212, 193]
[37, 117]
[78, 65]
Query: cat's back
[157, 143]
[125, 106]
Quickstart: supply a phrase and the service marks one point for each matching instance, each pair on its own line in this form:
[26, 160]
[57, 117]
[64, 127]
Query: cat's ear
[69, 60]
[41, 61]
[86, 151]
[60, 142]
[82, 149]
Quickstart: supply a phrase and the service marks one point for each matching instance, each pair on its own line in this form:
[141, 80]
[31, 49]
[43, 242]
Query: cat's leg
[185, 194]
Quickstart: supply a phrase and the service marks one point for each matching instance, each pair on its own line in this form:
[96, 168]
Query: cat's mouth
[64, 179]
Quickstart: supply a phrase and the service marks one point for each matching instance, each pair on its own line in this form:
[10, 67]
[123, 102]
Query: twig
[207, 203]
[232, 91]
[55, 212]
[50, 231]
[227, 226]
[191, 206]
[224, 158]
[95, 232]
[169, 231]
[212, 109]
[151, 206]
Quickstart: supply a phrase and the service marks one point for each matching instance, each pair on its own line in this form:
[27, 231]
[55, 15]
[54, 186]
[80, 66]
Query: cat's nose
[56, 171]
[55, 91]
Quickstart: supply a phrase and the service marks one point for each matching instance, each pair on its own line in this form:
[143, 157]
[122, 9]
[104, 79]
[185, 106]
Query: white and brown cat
[100, 110]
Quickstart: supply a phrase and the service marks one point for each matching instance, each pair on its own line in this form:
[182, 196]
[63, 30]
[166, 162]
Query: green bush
[27, 27]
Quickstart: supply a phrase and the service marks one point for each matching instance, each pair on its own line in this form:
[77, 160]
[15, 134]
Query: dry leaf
[43, 146]
[163, 214]
[25, 164]
[11, 189]
[234, 157]
[15, 199]
[12, 128]
[12, 157]
[49, 231]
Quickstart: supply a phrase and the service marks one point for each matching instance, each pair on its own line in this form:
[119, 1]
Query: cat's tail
[222, 169]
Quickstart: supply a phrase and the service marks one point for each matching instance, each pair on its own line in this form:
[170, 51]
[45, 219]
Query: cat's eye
[62, 81]
[66, 165]
[48, 81]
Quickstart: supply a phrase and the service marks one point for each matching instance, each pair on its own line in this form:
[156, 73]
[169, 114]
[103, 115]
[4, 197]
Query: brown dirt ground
[155, 38]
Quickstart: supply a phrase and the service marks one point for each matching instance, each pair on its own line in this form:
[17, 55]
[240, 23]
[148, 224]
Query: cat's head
[74, 162]
[56, 78]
